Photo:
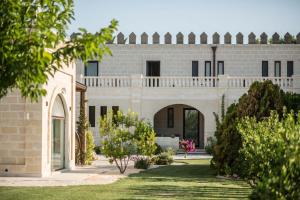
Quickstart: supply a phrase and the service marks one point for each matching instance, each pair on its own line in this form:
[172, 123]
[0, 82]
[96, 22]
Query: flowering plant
[187, 146]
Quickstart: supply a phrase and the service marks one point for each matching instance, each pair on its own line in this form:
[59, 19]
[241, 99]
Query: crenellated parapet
[215, 38]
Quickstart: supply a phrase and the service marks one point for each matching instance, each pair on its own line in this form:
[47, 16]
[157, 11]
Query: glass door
[191, 125]
[58, 144]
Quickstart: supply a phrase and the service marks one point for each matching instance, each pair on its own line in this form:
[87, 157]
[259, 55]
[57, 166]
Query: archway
[58, 135]
[180, 120]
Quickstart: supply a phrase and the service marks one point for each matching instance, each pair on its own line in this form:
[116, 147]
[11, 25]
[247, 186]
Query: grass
[193, 179]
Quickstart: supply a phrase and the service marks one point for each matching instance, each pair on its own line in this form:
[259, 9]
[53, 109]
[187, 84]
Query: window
[103, 111]
[170, 117]
[115, 109]
[264, 69]
[91, 68]
[290, 68]
[277, 69]
[220, 67]
[92, 116]
[194, 68]
[153, 68]
[115, 112]
[207, 68]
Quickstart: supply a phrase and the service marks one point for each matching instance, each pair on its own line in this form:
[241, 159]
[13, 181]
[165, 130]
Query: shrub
[261, 98]
[124, 135]
[164, 159]
[97, 150]
[170, 151]
[271, 149]
[142, 163]
[211, 141]
[89, 148]
[158, 149]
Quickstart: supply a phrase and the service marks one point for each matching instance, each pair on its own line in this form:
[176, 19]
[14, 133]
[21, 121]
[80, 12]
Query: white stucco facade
[122, 78]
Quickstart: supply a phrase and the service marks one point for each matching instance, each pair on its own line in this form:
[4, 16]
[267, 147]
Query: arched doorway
[58, 135]
[180, 120]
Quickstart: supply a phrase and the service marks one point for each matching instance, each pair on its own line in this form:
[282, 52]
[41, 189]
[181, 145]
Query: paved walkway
[100, 172]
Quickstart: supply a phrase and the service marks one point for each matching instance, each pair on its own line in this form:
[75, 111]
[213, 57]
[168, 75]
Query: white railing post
[136, 80]
[223, 81]
[296, 83]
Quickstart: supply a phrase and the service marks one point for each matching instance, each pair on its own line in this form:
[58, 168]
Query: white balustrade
[181, 82]
[107, 81]
[245, 82]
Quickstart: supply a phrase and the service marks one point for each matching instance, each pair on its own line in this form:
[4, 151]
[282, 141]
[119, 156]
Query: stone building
[178, 87]
[37, 139]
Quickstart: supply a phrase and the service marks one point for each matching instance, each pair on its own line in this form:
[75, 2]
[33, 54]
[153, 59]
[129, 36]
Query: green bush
[97, 150]
[164, 159]
[142, 163]
[158, 149]
[261, 98]
[89, 148]
[271, 151]
[211, 141]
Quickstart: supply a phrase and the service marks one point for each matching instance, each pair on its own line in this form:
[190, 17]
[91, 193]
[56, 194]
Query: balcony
[222, 81]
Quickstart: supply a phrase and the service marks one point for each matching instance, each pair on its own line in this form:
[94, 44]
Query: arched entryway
[180, 120]
[58, 135]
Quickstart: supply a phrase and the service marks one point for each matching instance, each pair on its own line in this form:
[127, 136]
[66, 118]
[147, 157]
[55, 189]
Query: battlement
[252, 38]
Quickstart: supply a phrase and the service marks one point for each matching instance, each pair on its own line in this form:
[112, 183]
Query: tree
[33, 43]
[261, 98]
[123, 135]
[271, 149]
[81, 134]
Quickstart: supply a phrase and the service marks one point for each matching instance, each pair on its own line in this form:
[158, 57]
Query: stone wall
[25, 128]
[176, 60]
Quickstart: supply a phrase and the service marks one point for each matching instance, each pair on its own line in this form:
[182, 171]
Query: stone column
[296, 83]
[136, 92]
[223, 81]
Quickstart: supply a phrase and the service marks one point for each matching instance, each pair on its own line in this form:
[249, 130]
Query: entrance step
[197, 151]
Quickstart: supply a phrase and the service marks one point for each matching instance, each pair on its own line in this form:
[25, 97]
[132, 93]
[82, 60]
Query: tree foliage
[271, 151]
[124, 135]
[261, 98]
[84, 153]
[33, 43]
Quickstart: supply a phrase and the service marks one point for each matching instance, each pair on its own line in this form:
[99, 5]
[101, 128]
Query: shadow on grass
[189, 181]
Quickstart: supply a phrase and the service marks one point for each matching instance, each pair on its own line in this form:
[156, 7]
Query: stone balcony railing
[222, 81]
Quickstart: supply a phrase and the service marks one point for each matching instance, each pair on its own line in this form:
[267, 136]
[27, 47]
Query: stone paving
[100, 172]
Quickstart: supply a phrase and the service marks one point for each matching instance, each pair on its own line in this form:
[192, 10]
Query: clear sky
[190, 15]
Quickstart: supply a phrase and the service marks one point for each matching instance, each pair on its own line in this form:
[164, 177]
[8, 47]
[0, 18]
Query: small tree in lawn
[144, 136]
[123, 135]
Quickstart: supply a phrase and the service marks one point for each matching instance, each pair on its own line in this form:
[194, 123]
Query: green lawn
[193, 180]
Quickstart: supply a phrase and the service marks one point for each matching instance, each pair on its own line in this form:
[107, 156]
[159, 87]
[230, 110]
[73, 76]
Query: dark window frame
[279, 68]
[195, 68]
[205, 68]
[103, 111]
[92, 112]
[150, 70]
[170, 118]
[289, 71]
[91, 61]
[262, 68]
[115, 110]
[218, 73]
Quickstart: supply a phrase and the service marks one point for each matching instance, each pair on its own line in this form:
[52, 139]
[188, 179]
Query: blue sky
[190, 15]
